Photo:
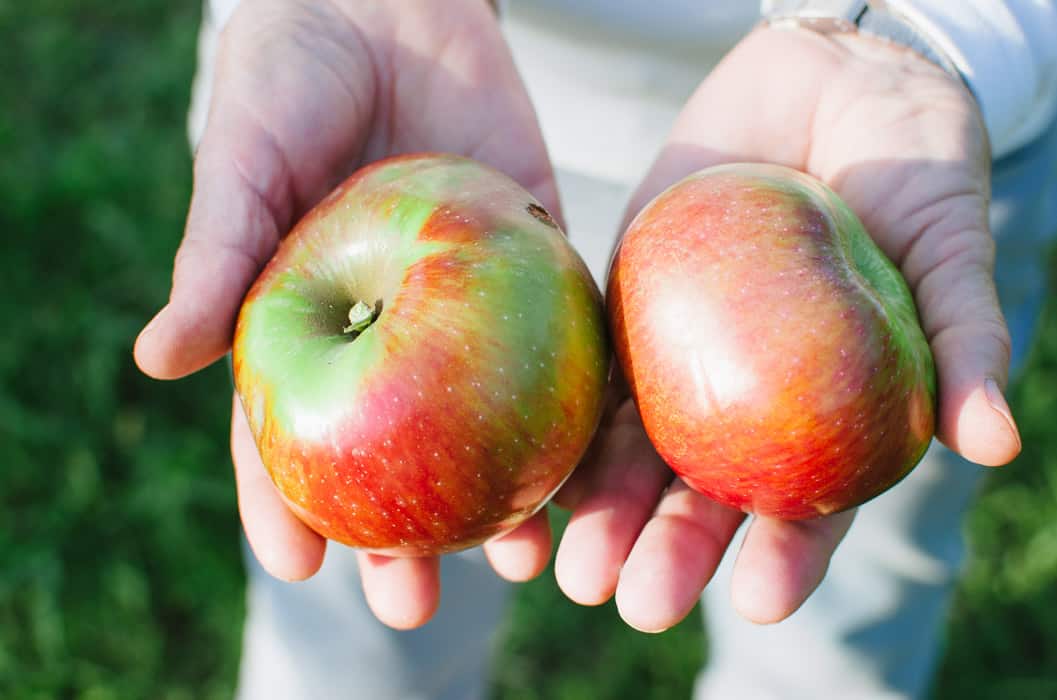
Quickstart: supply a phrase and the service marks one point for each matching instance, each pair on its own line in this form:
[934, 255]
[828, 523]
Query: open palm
[304, 92]
[903, 143]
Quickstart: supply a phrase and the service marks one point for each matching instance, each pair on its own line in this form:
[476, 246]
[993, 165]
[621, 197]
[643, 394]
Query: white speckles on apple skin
[846, 384]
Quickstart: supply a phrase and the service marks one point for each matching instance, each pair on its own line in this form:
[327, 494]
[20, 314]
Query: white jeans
[872, 630]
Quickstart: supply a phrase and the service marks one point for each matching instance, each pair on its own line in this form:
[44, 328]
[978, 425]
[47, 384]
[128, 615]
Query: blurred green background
[120, 570]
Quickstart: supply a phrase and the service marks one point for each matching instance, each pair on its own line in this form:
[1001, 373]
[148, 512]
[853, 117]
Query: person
[628, 98]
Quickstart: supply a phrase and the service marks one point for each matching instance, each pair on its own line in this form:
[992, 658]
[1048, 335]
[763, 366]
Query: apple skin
[773, 351]
[462, 408]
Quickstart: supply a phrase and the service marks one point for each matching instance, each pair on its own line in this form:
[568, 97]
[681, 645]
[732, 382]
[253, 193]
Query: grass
[120, 554]
[120, 571]
[1002, 636]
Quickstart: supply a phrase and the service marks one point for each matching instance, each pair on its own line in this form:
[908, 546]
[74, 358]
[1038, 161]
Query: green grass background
[120, 571]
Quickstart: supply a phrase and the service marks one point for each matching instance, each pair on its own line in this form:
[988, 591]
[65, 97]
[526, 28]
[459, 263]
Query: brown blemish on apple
[541, 214]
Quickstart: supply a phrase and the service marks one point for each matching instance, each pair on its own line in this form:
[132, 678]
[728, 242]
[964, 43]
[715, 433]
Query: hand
[903, 143]
[304, 92]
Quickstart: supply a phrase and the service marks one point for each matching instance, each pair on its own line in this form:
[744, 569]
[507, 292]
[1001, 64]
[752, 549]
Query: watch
[871, 17]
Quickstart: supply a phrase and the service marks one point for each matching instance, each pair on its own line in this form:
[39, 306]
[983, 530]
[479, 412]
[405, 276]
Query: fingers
[403, 593]
[214, 267]
[781, 563]
[522, 555]
[286, 547]
[271, 146]
[629, 479]
[674, 558]
[658, 561]
[951, 268]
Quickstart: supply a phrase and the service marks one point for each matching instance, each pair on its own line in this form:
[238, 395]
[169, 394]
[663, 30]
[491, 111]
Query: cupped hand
[303, 93]
[904, 144]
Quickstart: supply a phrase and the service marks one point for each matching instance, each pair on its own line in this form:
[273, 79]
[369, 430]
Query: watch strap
[871, 17]
[878, 20]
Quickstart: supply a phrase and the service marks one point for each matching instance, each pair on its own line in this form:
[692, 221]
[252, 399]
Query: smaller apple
[773, 351]
[423, 361]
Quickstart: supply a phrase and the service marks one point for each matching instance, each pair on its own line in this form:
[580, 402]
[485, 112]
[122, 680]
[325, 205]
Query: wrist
[875, 19]
[1005, 51]
[875, 33]
[868, 86]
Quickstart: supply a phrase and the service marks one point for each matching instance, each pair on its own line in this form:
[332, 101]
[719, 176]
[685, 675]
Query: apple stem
[361, 315]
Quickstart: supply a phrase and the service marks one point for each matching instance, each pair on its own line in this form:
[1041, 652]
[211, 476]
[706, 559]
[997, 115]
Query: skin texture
[307, 91]
[773, 352]
[464, 406]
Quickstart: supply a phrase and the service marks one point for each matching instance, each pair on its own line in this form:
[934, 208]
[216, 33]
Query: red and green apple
[423, 361]
[773, 351]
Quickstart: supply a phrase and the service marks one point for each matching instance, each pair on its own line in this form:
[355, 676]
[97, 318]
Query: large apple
[423, 361]
[773, 351]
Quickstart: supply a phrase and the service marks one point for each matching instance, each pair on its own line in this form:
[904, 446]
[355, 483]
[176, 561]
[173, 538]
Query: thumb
[971, 346]
[931, 217]
[974, 419]
[271, 147]
[232, 229]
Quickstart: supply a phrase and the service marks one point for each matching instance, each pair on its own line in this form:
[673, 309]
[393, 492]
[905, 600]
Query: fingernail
[751, 597]
[999, 405]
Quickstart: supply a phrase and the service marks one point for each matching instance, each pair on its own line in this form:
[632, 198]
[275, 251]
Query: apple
[423, 361]
[773, 351]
